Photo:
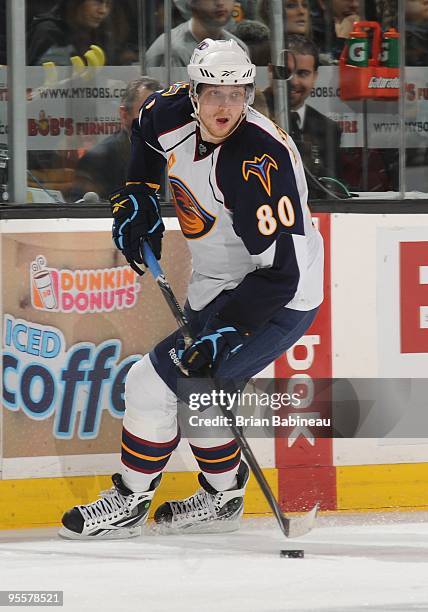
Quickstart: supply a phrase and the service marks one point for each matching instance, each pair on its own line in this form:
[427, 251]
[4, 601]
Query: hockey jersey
[241, 205]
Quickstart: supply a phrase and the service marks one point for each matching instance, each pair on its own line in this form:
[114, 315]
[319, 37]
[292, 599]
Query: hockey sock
[143, 460]
[149, 433]
[219, 464]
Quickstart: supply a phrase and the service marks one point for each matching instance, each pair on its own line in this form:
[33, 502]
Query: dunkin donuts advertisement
[82, 290]
[75, 318]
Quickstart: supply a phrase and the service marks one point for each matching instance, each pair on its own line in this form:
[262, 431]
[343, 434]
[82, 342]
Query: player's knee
[139, 382]
[145, 391]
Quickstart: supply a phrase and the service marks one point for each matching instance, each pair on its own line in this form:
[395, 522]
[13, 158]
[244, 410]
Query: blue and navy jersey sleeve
[147, 160]
[160, 113]
[257, 178]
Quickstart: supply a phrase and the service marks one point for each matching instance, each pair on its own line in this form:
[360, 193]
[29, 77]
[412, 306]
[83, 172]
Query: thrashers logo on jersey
[194, 220]
[260, 167]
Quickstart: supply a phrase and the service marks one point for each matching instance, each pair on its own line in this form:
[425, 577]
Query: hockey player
[241, 199]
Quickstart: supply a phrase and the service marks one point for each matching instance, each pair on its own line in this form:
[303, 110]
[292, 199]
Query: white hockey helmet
[221, 62]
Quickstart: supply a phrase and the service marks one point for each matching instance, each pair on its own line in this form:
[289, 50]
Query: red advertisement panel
[304, 462]
[414, 297]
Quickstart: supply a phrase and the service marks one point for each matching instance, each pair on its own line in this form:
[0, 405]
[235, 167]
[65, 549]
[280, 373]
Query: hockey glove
[137, 217]
[218, 341]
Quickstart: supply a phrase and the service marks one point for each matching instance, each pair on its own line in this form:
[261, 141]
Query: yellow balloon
[99, 53]
[77, 61]
[51, 73]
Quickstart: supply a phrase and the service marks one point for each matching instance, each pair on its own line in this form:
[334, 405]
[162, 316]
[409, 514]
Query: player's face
[213, 13]
[344, 8]
[220, 107]
[417, 10]
[91, 13]
[297, 13]
[300, 86]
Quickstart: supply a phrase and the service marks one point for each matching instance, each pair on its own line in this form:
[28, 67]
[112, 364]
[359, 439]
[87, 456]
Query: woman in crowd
[297, 16]
[69, 29]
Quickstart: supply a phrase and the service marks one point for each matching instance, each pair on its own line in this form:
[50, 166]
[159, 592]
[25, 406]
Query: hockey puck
[292, 554]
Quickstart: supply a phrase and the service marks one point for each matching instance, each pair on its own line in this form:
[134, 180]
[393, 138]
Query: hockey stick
[291, 527]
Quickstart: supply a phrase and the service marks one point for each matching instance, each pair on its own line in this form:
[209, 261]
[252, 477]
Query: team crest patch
[260, 167]
[194, 220]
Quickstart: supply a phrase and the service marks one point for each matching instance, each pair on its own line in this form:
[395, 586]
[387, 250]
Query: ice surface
[352, 563]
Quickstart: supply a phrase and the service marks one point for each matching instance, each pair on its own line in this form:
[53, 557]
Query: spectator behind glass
[385, 13]
[417, 32]
[242, 9]
[124, 19]
[297, 16]
[260, 102]
[103, 169]
[332, 23]
[256, 36]
[416, 13]
[68, 29]
[317, 137]
[154, 19]
[208, 20]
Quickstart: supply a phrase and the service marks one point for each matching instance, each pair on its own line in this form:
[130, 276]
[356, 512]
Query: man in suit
[316, 136]
[103, 168]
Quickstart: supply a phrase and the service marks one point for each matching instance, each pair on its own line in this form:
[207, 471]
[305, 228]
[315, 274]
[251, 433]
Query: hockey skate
[206, 511]
[118, 514]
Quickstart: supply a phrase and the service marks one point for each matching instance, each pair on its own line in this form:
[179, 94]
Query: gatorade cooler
[370, 73]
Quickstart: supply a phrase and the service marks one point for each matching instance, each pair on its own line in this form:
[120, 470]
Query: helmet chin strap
[205, 132]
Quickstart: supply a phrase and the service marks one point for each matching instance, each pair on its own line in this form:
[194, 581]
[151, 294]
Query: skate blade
[201, 528]
[116, 534]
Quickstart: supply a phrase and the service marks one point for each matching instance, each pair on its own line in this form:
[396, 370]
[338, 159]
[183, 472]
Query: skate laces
[110, 501]
[201, 503]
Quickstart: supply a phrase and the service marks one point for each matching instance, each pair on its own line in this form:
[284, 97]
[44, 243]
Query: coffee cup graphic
[43, 283]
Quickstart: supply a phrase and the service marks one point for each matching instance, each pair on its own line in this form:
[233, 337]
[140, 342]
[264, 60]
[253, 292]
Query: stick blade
[300, 525]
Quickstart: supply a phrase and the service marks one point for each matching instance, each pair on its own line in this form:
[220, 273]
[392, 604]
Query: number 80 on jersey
[267, 221]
